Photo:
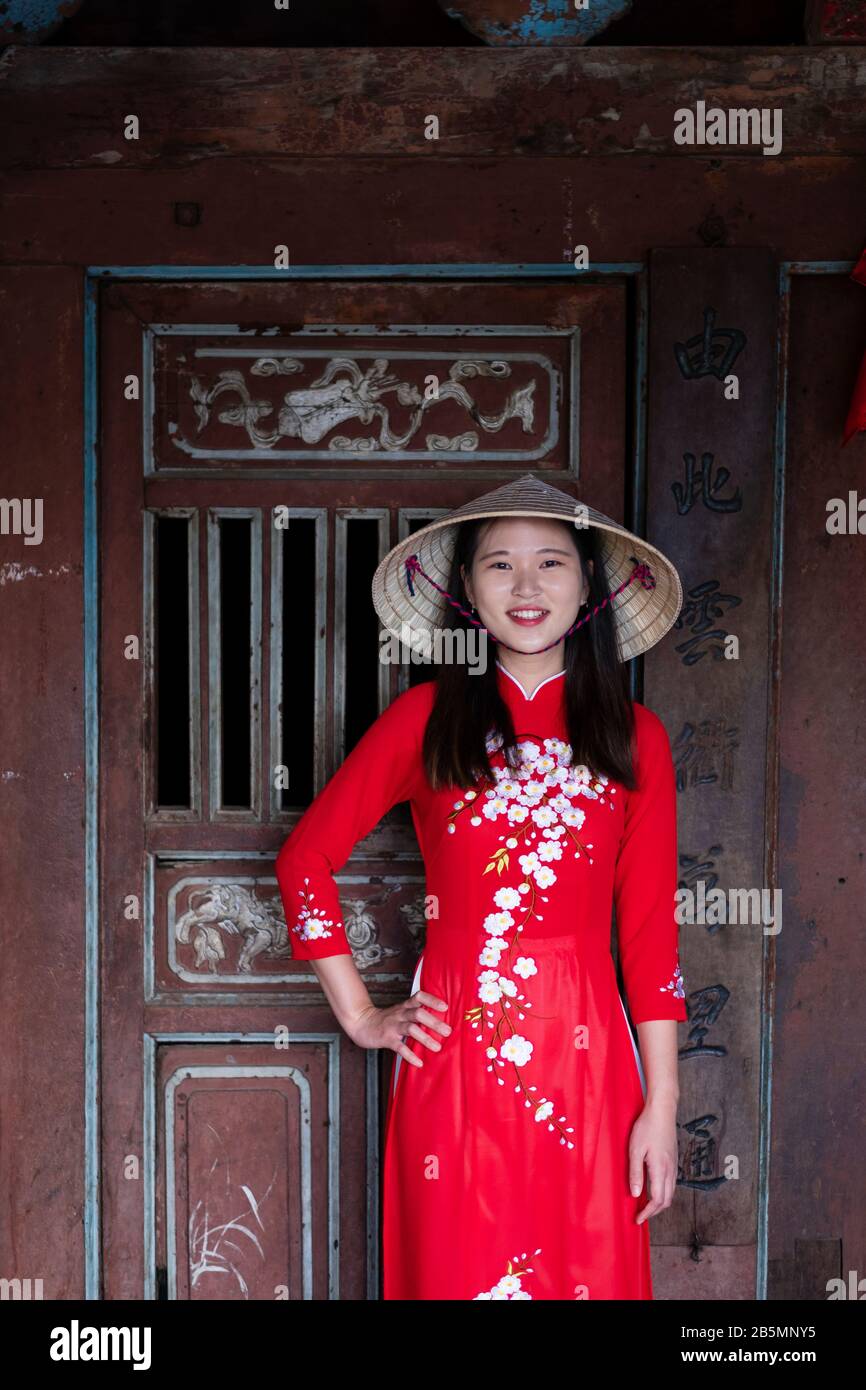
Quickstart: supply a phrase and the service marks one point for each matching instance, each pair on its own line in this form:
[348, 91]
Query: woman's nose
[526, 588]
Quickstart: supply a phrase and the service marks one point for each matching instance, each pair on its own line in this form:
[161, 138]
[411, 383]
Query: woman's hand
[654, 1142]
[390, 1027]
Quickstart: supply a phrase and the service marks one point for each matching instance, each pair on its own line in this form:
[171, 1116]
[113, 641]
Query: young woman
[521, 1126]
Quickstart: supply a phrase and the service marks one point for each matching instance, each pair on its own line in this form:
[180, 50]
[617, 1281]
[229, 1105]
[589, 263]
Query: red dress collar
[549, 691]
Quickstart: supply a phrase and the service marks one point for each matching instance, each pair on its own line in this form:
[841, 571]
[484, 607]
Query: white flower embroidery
[516, 1049]
[510, 1286]
[495, 944]
[506, 897]
[544, 877]
[507, 787]
[535, 801]
[312, 924]
[525, 966]
[497, 923]
[489, 986]
[676, 984]
[492, 951]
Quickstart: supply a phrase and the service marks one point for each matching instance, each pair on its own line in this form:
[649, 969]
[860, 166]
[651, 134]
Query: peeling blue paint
[547, 20]
[541, 22]
[30, 21]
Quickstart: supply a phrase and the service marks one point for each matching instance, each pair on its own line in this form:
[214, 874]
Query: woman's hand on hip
[391, 1027]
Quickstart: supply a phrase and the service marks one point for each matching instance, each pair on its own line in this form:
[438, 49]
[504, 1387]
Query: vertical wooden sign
[710, 508]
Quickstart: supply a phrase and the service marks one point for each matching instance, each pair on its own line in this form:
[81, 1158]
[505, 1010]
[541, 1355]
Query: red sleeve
[645, 882]
[382, 769]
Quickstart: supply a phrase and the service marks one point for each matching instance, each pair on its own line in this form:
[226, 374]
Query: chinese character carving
[699, 1161]
[704, 1008]
[703, 606]
[696, 868]
[704, 753]
[700, 483]
[710, 353]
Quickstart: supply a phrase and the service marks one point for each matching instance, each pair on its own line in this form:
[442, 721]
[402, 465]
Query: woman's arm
[658, 1050]
[648, 935]
[382, 769]
[645, 881]
[654, 1138]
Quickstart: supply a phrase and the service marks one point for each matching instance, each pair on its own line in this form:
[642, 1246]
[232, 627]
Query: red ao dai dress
[506, 1154]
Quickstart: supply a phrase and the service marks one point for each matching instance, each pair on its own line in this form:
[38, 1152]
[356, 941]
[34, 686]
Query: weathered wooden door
[239, 663]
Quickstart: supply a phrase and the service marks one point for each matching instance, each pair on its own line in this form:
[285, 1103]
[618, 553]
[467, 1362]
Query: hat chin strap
[641, 572]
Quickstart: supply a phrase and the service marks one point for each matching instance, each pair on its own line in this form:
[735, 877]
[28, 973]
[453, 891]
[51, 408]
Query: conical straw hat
[412, 610]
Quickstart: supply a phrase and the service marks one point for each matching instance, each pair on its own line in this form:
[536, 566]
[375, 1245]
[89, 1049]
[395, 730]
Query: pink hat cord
[641, 572]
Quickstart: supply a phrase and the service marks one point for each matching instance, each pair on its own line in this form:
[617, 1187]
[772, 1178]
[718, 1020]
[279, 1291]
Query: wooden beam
[65, 107]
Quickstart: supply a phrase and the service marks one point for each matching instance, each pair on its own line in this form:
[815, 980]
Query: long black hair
[599, 712]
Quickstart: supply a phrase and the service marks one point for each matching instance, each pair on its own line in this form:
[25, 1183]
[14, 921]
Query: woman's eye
[496, 563]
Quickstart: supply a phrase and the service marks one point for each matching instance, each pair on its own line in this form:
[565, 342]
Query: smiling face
[526, 580]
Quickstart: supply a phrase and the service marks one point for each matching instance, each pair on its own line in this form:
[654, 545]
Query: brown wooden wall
[325, 151]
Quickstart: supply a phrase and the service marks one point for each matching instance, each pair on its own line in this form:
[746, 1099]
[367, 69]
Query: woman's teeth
[527, 615]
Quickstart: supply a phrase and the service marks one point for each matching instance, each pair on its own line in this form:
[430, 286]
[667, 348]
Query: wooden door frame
[94, 277]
